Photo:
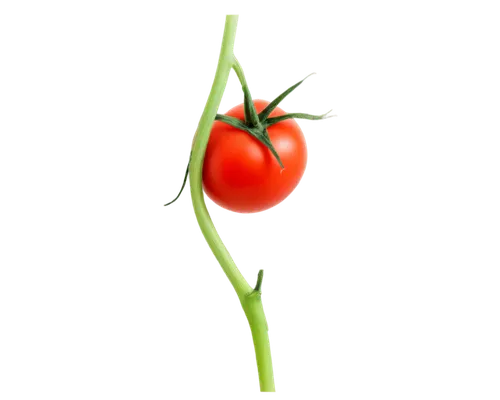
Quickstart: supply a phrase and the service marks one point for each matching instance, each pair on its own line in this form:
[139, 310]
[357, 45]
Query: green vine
[256, 125]
[250, 299]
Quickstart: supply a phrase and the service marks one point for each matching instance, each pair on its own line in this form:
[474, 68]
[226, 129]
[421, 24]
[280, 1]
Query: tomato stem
[250, 298]
[251, 116]
[198, 154]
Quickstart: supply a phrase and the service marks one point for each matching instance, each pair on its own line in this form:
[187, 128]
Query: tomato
[241, 174]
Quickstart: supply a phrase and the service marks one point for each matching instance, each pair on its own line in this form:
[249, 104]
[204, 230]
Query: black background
[312, 246]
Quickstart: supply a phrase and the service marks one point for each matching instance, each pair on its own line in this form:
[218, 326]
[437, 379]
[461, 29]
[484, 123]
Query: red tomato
[242, 175]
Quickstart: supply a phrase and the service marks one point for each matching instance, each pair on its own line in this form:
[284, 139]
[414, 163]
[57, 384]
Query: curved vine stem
[250, 298]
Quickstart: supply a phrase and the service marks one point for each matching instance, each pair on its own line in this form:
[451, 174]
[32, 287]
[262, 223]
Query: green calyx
[257, 124]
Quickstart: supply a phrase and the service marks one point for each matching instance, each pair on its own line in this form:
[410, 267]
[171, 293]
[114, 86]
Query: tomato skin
[242, 175]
